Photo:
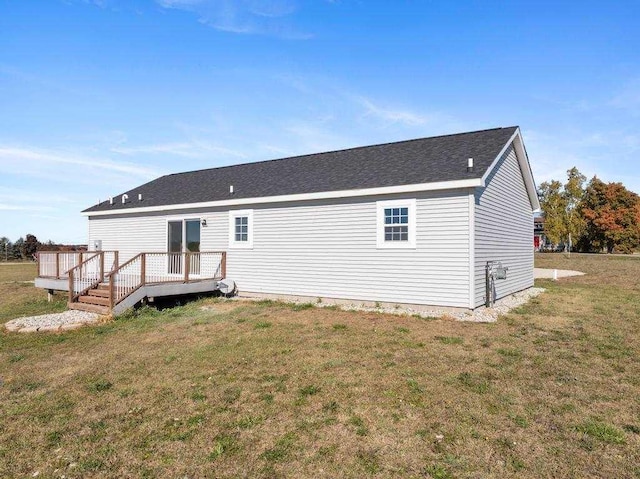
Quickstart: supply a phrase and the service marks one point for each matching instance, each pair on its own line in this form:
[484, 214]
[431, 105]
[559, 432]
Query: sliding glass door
[183, 236]
[175, 247]
[192, 242]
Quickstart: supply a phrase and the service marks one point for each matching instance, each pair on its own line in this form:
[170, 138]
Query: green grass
[602, 431]
[267, 389]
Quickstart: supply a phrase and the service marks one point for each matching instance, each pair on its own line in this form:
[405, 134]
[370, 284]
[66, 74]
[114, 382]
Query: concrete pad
[544, 273]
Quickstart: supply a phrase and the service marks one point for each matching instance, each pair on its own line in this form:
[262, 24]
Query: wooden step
[92, 308]
[103, 293]
[103, 286]
[94, 300]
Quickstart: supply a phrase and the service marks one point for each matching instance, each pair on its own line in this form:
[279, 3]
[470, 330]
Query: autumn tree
[553, 206]
[612, 217]
[560, 206]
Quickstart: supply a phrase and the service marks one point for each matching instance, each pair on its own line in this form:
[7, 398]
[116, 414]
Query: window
[396, 224]
[241, 229]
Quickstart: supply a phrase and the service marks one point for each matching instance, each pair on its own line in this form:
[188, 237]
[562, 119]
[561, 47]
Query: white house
[412, 222]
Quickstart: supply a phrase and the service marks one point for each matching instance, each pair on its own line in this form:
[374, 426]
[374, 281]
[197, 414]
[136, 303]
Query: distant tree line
[27, 247]
[591, 216]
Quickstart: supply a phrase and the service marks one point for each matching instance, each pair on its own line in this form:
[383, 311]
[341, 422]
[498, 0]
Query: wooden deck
[97, 283]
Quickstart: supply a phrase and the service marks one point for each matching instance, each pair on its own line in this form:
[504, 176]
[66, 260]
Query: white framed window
[241, 229]
[396, 224]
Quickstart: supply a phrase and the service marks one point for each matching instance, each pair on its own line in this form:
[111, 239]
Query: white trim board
[472, 249]
[386, 190]
[233, 244]
[525, 168]
[410, 204]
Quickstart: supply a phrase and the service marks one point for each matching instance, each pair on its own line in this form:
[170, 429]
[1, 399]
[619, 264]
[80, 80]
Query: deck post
[80, 264]
[101, 266]
[71, 285]
[143, 269]
[116, 263]
[187, 261]
[57, 265]
[223, 265]
[111, 291]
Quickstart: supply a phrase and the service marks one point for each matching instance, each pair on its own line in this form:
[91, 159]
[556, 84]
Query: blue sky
[99, 96]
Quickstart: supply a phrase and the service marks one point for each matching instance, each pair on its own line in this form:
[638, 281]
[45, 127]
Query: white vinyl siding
[328, 248]
[131, 235]
[504, 228]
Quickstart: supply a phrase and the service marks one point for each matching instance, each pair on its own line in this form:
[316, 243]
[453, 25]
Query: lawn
[17, 271]
[219, 388]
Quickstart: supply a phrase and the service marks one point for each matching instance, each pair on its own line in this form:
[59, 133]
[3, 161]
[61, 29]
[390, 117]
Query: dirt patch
[220, 307]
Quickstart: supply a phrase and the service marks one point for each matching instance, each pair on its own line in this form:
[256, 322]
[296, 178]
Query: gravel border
[479, 315]
[73, 319]
[70, 319]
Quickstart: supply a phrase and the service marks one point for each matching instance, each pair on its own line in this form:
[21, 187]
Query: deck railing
[56, 264]
[86, 275]
[154, 268]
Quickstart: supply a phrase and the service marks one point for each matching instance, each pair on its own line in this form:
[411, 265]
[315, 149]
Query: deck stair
[95, 300]
[93, 289]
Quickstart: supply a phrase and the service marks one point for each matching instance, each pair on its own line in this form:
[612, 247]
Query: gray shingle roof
[424, 160]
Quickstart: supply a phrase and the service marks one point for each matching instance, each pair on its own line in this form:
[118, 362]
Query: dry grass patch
[10, 272]
[207, 389]
[19, 299]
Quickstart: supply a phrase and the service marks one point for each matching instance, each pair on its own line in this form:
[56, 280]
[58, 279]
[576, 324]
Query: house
[413, 222]
[540, 242]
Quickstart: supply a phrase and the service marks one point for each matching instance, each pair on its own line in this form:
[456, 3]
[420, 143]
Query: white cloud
[19, 195]
[606, 154]
[628, 98]
[39, 181]
[10, 207]
[252, 17]
[192, 149]
[26, 160]
[403, 116]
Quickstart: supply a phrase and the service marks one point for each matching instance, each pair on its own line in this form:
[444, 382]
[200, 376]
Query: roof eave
[525, 168]
[386, 190]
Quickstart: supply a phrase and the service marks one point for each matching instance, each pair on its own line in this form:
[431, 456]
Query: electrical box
[500, 272]
[494, 270]
[97, 245]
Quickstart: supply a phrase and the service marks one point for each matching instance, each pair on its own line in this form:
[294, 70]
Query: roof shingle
[424, 160]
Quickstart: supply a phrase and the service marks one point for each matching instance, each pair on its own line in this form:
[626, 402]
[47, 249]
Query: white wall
[326, 248]
[504, 229]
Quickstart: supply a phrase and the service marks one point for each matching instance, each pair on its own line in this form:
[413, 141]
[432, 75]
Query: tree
[560, 206]
[573, 192]
[612, 216]
[31, 246]
[553, 207]
[6, 248]
[18, 249]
